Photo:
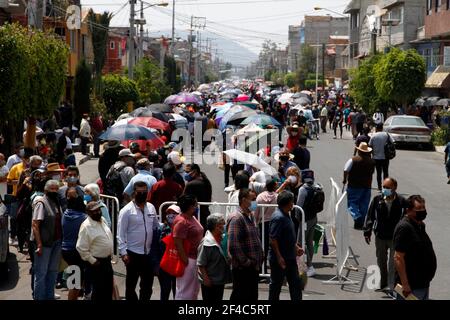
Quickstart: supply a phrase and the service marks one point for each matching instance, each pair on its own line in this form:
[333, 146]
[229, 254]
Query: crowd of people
[59, 222]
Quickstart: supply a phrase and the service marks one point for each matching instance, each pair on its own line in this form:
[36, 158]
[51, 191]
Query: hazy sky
[248, 22]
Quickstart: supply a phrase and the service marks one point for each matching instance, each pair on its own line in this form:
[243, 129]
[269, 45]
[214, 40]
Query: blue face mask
[253, 206]
[387, 192]
[188, 177]
[196, 211]
[87, 198]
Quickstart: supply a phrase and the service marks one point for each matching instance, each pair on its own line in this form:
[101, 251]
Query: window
[396, 14]
[73, 40]
[112, 45]
[438, 5]
[448, 4]
[447, 56]
[429, 7]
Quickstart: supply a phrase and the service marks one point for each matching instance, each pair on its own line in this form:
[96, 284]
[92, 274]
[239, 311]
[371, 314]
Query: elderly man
[85, 133]
[358, 171]
[95, 245]
[138, 237]
[47, 235]
[143, 167]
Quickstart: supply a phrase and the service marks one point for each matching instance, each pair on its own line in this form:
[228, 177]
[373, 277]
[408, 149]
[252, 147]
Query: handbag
[171, 261]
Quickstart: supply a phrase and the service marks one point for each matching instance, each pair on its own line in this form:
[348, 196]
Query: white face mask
[294, 134]
[293, 179]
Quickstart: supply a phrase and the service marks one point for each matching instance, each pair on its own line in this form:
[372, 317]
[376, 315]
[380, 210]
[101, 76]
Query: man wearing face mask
[283, 157]
[72, 180]
[138, 240]
[47, 234]
[95, 246]
[245, 248]
[16, 157]
[119, 175]
[415, 259]
[143, 167]
[385, 211]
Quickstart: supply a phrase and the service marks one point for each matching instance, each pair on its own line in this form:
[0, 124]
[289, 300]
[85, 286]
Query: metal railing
[263, 208]
[112, 203]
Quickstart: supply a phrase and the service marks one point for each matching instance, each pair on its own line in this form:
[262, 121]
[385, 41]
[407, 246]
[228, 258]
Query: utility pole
[141, 38]
[39, 14]
[190, 51]
[172, 43]
[131, 53]
[323, 66]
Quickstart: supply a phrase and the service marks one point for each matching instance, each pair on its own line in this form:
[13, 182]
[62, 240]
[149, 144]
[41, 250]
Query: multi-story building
[378, 24]
[294, 40]
[433, 43]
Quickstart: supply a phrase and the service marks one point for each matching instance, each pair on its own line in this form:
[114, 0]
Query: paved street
[417, 172]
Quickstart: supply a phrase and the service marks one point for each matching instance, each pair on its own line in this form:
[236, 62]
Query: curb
[440, 149]
[84, 159]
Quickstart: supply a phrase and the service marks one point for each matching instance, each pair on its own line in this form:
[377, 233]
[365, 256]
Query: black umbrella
[237, 118]
[431, 101]
[141, 112]
[160, 107]
[161, 116]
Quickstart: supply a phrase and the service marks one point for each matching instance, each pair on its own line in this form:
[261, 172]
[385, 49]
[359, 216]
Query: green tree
[117, 92]
[99, 27]
[306, 65]
[81, 99]
[400, 76]
[362, 86]
[277, 78]
[289, 79]
[172, 74]
[147, 76]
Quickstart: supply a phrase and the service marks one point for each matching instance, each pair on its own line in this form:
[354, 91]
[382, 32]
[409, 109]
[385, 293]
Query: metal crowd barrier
[263, 208]
[112, 203]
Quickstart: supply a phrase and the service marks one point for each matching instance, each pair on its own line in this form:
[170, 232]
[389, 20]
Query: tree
[117, 92]
[277, 78]
[99, 26]
[289, 79]
[362, 86]
[400, 76]
[33, 67]
[307, 65]
[172, 74]
[81, 99]
[147, 76]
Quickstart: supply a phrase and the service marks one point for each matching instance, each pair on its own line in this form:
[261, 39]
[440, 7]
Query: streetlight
[325, 9]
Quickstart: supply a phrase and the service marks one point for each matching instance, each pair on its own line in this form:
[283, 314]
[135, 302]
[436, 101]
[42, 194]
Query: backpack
[389, 149]
[114, 185]
[314, 202]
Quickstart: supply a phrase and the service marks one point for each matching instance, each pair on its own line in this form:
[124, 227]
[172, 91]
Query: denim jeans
[45, 269]
[277, 277]
[358, 200]
[385, 260]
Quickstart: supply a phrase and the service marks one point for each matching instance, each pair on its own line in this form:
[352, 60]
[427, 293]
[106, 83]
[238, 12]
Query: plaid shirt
[244, 243]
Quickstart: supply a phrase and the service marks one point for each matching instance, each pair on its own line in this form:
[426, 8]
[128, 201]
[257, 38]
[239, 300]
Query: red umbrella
[242, 97]
[150, 122]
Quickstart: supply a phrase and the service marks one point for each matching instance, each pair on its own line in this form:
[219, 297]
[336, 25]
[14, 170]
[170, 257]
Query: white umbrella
[252, 160]
[250, 128]
[123, 122]
[124, 116]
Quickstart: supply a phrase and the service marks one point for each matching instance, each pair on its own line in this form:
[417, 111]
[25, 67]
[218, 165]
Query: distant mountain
[229, 50]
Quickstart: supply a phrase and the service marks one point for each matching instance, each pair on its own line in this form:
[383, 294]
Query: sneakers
[13, 242]
[57, 296]
[87, 296]
[311, 272]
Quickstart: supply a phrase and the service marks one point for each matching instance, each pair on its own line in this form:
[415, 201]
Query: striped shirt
[244, 243]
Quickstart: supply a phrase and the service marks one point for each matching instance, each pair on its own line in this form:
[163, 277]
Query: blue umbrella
[128, 132]
[261, 120]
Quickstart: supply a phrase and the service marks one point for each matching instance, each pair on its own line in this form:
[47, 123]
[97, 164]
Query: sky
[248, 22]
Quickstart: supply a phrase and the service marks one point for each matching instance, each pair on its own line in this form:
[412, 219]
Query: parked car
[408, 130]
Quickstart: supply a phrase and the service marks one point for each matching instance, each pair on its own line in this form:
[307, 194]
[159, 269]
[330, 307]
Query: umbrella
[226, 116]
[182, 97]
[300, 94]
[124, 116]
[242, 97]
[250, 104]
[124, 122]
[204, 87]
[302, 100]
[237, 118]
[250, 128]
[150, 122]
[141, 112]
[431, 101]
[252, 160]
[160, 107]
[185, 113]
[180, 121]
[128, 132]
[276, 92]
[419, 102]
[144, 144]
[443, 102]
[160, 116]
[306, 92]
[262, 120]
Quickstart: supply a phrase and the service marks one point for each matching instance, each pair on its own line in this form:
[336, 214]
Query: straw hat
[293, 127]
[54, 167]
[364, 147]
[277, 156]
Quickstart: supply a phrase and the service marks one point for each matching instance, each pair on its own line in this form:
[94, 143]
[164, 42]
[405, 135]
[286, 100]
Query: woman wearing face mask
[294, 136]
[92, 194]
[72, 219]
[186, 228]
[293, 181]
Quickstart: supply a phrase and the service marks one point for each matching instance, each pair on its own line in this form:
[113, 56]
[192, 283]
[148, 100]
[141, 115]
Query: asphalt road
[418, 172]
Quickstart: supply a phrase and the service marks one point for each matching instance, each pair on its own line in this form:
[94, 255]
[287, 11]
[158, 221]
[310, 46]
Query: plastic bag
[302, 269]
[171, 261]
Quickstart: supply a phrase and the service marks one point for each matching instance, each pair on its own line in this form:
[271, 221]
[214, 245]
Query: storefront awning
[440, 78]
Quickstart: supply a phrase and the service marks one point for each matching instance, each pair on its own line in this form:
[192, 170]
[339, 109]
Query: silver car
[408, 130]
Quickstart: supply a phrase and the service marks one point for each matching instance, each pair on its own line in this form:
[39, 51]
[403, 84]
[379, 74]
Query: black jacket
[380, 220]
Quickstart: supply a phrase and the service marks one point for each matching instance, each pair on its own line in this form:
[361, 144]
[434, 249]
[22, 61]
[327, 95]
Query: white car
[408, 130]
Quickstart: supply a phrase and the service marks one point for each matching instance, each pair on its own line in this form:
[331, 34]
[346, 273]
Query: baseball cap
[307, 176]
[125, 152]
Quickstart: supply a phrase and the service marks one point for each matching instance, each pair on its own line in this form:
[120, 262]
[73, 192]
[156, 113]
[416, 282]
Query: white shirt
[13, 160]
[69, 143]
[85, 128]
[94, 240]
[135, 230]
[3, 187]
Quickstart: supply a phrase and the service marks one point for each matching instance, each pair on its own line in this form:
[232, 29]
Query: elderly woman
[213, 266]
[293, 181]
[92, 194]
[186, 228]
